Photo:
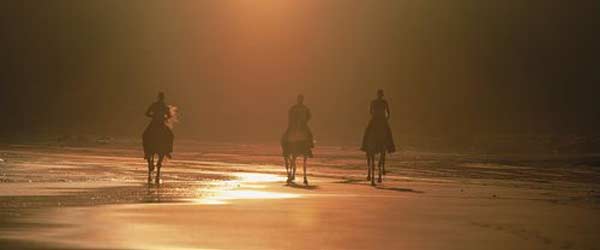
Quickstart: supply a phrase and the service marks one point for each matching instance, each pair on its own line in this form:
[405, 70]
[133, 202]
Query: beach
[225, 196]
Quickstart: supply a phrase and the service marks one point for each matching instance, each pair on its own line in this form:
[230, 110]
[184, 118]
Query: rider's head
[300, 99]
[380, 93]
[161, 96]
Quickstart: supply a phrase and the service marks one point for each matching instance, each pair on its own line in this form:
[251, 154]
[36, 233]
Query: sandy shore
[70, 198]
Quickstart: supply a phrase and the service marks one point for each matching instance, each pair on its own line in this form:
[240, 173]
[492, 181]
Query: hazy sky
[234, 67]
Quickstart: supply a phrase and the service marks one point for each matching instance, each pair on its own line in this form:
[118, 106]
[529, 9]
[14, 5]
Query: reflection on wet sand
[222, 197]
[124, 225]
[255, 177]
[101, 203]
[242, 188]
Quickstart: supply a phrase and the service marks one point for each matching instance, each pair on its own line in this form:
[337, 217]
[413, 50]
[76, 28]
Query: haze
[233, 68]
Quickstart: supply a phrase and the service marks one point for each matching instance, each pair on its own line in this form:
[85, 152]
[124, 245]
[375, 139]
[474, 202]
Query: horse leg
[150, 167]
[304, 171]
[161, 157]
[383, 163]
[293, 167]
[380, 165]
[368, 167]
[372, 168]
[288, 168]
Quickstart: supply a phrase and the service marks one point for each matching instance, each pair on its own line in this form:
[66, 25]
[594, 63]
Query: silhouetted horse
[158, 137]
[377, 139]
[296, 143]
[375, 145]
[297, 139]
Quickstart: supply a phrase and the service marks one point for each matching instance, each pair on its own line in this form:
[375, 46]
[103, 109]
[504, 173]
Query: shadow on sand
[362, 182]
[349, 181]
[399, 189]
[301, 186]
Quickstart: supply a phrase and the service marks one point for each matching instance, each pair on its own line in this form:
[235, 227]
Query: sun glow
[242, 189]
[253, 177]
[223, 197]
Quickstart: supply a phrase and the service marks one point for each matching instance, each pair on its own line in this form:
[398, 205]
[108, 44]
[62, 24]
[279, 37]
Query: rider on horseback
[298, 135]
[297, 139]
[378, 135]
[378, 139]
[158, 137]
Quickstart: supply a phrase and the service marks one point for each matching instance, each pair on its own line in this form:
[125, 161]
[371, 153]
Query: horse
[296, 143]
[158, 143]
[377, 140]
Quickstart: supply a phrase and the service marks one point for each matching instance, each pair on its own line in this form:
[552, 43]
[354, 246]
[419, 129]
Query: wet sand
[97, 198]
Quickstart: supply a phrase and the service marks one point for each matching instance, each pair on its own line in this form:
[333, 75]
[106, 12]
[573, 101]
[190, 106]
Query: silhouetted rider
[298, 117]
[158, 137]
[159, 111]
[378, 135]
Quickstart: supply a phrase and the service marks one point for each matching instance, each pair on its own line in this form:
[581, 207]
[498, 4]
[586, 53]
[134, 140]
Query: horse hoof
[379, 180]
[368, 178]
[306, 182]
[373, 183]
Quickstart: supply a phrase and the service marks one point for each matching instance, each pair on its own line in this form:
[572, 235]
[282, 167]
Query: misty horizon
[449, 70]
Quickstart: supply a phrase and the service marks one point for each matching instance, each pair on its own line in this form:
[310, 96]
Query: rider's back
[378, 108]
[160, 111]
[298, 115]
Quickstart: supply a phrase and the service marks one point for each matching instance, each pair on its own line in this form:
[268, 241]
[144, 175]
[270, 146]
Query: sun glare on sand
[244, 188]
[256, 178]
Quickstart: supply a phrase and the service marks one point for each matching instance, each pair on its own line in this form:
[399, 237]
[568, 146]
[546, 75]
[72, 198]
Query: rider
[158, 137]
[379, 127]
[298, 117]
[159, 111]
